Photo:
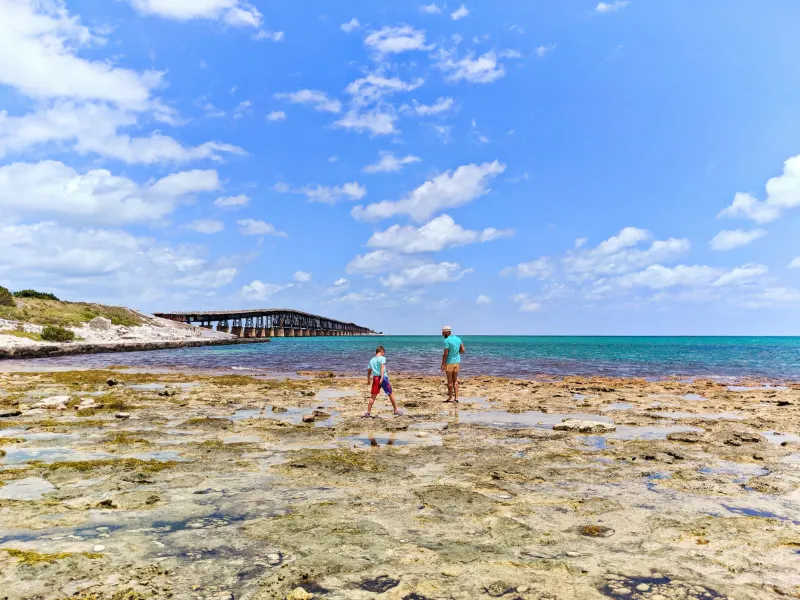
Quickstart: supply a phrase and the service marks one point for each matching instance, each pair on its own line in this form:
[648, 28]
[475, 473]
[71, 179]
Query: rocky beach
[123, 485]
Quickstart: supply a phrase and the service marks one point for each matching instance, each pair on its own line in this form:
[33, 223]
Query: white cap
[447, 328]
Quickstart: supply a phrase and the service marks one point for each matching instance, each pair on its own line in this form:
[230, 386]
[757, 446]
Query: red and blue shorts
[378, 385]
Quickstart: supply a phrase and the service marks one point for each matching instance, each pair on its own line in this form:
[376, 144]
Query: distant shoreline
[54, 350]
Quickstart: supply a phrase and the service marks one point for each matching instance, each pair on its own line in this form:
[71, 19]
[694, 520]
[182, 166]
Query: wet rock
[279, 409]
[100, 324]
[319, 414]
[687, 437]
[123, 416]
[585, 426]
[379, 584]
[111, 382]
[52, 403]
[498, 589]
[4, 414]
[308, 418]
[411, 404]
[168, 393]
[299, 594]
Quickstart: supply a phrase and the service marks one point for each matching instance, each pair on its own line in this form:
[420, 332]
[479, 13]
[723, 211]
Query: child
[378, 378]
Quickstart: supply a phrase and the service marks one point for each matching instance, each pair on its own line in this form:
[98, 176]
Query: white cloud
[783, 193]
[442, 105]
[389, 163]
[206, 226]
[795, 264]
[258, 290]
[526, 303]
[658, 277]
[378, 261]
[730, 239]
[610, 7]
[96, 196]
[273, 36]
[242, 109]
[232, 12]
[483, 300]
[363, 297]
[426, 274]
[448, 190]
[326, 194]
[103, 263]
[431, 9]
[440, 233]
[483, 69]
[376, 122]
[302, 277]
[255, 227]
[741, 275]
[39, 44]
[93, 128]
[544, 50]
[351, 25]
[314, 98]
[394, 40]
[620, 254]
[342, 282]
[374, 87]
[541, 268]
[232, 201]
[460, 13]
[276, 115]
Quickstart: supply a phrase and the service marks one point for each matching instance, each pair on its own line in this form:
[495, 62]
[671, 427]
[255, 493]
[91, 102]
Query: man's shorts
[452, 368]
[378, 385]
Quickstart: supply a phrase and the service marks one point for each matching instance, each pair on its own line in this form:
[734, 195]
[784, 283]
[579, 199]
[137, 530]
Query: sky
[517, 167]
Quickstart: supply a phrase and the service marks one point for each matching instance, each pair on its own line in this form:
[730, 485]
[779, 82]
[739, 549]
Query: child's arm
[369, 375]
[383, 371]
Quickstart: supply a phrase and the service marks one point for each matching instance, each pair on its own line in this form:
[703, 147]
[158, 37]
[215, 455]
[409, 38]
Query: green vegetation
[6, 299]
[128, 464]
[100, 377]
[54, 333]
[35, 294]
[22, 334]
[28, 557]
[63, 314]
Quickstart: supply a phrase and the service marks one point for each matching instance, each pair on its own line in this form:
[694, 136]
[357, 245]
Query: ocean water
[774, 358]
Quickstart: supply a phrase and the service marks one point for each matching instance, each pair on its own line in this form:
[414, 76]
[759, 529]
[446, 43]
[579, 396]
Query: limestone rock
[9, 413]
[100, 324]
[123, 416]
[585, 426]
[688, 437]
[53, 403]
[299, 594]
[87, 404]
[308, 418]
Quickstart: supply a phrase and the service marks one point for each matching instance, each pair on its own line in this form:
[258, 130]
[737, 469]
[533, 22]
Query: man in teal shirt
[451, 361]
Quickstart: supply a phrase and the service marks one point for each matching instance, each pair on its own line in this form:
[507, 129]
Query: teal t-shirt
[375, 365]
[453, 344]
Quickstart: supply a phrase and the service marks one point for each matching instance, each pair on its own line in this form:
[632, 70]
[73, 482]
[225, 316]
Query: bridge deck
[268, 322]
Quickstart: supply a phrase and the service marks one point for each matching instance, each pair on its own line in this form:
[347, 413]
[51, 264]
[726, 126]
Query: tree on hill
[6, 299]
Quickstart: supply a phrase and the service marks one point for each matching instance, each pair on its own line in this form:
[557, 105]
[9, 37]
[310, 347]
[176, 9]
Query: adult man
[451, 361]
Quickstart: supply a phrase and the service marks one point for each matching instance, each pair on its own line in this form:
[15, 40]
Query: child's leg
[371, 402]
[373, 394]
[387, 387]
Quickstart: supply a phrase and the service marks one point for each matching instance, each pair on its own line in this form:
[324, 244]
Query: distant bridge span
[268, 322]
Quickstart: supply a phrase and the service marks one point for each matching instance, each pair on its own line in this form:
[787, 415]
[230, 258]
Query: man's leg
[455, 382]
[449, 385]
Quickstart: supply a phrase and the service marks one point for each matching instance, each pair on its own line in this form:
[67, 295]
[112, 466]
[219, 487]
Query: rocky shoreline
[122, 485]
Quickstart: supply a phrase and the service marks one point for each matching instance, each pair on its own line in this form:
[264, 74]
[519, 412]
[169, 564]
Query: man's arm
[462, 349]
[444, 357]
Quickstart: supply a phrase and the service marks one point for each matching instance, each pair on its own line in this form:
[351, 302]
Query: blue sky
[508, 167]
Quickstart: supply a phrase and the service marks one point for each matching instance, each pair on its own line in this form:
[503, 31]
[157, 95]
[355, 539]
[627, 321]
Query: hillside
[66, 314]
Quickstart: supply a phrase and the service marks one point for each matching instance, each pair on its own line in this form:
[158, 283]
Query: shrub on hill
[6, 299]
[35, 294]
[57, 334]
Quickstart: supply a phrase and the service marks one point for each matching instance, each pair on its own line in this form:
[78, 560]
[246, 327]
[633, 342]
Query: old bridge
[268, 322]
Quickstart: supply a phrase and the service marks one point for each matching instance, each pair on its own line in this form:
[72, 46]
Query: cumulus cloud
[526, 303]
[442, 105]
[611, 7]
[276, 115]
[259, 290]
[351, 25]
[235, 13]
[795, 264]
[440, 233]
[96, 196]
[317, 100]
[459, 14]
[426, 274]
[783, 193]
[326, 194]
[94, 128]
[448, 190]
[208, 226]
[375, 122]
[341, 282]
[273, 36]
[302, 277]
[256, 227]
[430, 9]
[378, 261]
[731, 239]
[232, 201]
[542, 268]
[395, 40]
[483, 300]
[374, 87]
[482, 69]
[389, 163]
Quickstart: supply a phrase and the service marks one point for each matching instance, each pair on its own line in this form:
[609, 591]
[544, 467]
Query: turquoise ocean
[775, 358]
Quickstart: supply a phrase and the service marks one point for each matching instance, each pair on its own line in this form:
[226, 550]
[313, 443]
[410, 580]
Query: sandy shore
[216, 488]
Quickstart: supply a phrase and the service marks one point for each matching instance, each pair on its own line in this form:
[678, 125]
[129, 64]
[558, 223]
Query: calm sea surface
[524, 357]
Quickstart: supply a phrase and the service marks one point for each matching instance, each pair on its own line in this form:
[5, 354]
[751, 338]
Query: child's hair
[379, 349]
